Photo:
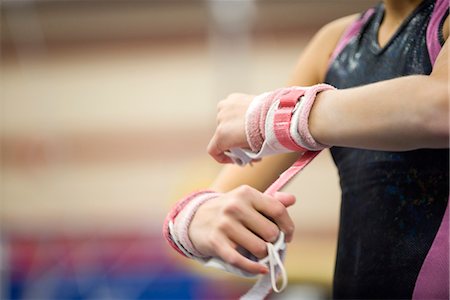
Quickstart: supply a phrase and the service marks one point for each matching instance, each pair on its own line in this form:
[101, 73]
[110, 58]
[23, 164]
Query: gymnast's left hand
[230, 128]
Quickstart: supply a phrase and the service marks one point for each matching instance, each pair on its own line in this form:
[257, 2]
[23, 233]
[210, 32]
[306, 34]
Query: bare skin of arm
[390, 109]
[310, 69]
[241, 215]
[374, 116]
[388, 115]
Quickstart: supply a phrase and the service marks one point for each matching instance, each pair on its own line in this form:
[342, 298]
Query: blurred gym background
[106, 110]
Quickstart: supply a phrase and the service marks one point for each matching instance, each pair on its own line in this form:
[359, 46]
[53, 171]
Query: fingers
[230, 128]
[269, 207]
[216, 152]
[261, 226]
[277, 212]
[243, 218]
[245, 238]
[285, 198]
[233, 257]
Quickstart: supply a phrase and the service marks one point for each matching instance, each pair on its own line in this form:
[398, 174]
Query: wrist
[319, 124]
[182, 223]
[178, 220]
[253, 132]
[286, 124]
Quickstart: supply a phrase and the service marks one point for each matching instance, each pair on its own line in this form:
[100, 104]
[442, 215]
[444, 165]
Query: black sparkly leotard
[392, 202]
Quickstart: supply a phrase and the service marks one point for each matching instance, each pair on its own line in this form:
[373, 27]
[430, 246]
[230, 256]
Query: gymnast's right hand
[242, 217]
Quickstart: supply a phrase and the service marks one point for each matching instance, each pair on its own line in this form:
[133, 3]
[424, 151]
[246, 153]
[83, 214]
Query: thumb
[285, 198]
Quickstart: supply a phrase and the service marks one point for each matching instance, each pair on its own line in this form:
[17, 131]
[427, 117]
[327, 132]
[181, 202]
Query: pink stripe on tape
[263, 287]
[433, 281]
[282, 119]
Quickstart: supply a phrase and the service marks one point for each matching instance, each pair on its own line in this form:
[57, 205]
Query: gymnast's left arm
[400, 114]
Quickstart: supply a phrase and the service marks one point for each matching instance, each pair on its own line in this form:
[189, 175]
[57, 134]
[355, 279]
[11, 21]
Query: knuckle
[233, 207]
[214, 242]
[223, 225]
[215, 144]
[260, 250]
[290, 229]
[218, 145]
[220, 130]
[244, 190]
[271, 234]
[278, 210]
[231, 258]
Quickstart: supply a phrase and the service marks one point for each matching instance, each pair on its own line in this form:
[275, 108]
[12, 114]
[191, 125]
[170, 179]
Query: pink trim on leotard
[351, 32]
[433, 43]
[433, 279]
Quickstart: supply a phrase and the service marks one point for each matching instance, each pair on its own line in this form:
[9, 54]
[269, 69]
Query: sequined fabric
[392, 202]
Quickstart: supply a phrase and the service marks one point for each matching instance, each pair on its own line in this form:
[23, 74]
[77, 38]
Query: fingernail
[264, 270]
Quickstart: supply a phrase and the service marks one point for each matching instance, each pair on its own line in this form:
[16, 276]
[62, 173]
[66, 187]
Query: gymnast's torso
[392, 202]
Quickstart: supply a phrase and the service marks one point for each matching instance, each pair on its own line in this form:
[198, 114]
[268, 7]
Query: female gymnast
[383, 111]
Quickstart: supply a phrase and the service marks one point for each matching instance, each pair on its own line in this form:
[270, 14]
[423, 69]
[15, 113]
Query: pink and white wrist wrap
[276, 122]
[176, 224]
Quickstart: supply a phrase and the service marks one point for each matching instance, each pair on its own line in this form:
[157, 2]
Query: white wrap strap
[274, 261]
[177, 242]
[270, 146]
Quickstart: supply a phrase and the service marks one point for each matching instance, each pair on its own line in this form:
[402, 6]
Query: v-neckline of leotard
[379, 16]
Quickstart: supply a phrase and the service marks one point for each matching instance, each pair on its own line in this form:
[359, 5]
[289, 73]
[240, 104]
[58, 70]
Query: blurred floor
[97, 144]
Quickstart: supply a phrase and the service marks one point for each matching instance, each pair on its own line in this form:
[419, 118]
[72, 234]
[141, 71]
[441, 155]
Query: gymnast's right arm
[237, 212]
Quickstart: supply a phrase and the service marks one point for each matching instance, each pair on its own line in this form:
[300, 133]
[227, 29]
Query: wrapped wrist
[300, 120]
[177, 222]
[283, 123]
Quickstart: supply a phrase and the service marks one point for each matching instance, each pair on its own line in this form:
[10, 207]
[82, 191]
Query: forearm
[400, 114]
[310, 69]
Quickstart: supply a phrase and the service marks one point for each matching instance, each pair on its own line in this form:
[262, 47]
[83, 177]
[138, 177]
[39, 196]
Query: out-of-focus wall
[107, 107]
